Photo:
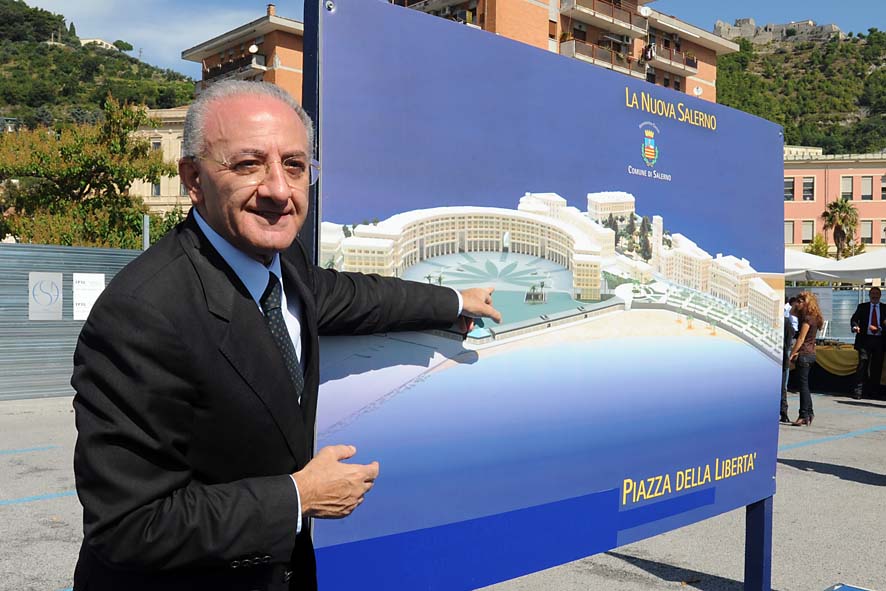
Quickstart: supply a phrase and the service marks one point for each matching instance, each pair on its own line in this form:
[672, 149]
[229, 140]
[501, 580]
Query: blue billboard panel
[630, 233]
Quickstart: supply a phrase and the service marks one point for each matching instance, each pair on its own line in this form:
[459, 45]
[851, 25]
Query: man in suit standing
[197, 371]
[867, 324]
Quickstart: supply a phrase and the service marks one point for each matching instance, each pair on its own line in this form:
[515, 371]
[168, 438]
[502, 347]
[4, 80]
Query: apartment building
[813, 179]
[626, 36]
[269, 49]
[165, 195]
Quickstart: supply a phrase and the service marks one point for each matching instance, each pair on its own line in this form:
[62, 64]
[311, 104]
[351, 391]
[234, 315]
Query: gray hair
[193, 142]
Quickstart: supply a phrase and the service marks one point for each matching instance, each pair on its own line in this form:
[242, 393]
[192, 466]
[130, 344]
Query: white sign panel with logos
[44, 296]
[87, 288]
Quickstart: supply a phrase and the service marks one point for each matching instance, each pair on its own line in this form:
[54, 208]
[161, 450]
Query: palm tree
[841, 217]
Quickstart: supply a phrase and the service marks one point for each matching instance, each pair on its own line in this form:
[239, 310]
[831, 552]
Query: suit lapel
[246, 343]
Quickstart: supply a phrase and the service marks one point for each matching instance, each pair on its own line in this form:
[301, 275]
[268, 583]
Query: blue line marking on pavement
[67, 493]
[791, 446]
[6, 452]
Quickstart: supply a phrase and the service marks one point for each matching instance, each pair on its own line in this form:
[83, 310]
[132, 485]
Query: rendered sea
[537, 425]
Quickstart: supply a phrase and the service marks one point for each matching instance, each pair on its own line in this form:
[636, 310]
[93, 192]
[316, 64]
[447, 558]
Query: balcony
[429, 5]
[606, 58]
[242, 67]
[606, 16]
[675, 62]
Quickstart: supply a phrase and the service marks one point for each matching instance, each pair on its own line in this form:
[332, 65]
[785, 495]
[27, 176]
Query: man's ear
[190, 178]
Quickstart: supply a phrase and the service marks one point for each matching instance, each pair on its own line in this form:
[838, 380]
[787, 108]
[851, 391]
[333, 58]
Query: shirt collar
[252, 273]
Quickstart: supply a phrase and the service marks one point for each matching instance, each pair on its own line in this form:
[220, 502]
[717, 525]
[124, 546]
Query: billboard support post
[758, 546]
[310, 234]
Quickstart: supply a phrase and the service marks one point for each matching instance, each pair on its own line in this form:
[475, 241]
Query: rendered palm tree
[841, 217]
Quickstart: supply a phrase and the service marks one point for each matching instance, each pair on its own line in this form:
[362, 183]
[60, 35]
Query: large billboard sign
[629, 231]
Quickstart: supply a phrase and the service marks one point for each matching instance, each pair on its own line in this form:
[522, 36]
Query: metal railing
[247, 61]
[614, 59]
[677, 57]
[609, 10]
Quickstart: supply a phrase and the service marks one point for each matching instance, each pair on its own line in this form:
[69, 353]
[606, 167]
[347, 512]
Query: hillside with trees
[829, 94]
[47, 78]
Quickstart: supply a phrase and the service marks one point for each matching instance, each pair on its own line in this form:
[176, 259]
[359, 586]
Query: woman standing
[803, 353]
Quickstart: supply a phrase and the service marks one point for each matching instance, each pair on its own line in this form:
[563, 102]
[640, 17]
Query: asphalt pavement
[829, 512]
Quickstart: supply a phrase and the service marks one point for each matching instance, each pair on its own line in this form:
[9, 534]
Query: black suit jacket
[188, 422]
[860, 318]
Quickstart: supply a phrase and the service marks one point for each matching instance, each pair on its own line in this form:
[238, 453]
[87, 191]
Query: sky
[161, 29]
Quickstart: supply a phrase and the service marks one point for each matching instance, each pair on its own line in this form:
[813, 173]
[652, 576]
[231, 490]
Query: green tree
[632, 226]
[841, 217]
[122, 45]
[818, 246]
[163, 223]
[77, 180]
[645, 247]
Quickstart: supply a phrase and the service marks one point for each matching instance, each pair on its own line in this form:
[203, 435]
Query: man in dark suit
[867, 324]
[197, 371]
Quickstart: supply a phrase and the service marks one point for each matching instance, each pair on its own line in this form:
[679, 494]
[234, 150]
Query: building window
[667, 81]
[788, 232]
[579, 33]
[155, 145]
[552, 29]
[846, 188]
[155, 189]
[867, 232]
[676, 85]
[182, 190]
[867, 188]
[650, 77]
[882, 231]
[788, 188]
[808, 231]
[808, 188]
[883, 187]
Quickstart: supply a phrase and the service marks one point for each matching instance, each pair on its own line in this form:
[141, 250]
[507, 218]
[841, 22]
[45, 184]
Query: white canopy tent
[802, 266]
[864, 266]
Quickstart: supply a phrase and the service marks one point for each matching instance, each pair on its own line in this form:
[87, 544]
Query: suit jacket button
[235, 564]
[287, 574]
[266, 559]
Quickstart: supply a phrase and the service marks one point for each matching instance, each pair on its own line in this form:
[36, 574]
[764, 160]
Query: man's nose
[275, 183]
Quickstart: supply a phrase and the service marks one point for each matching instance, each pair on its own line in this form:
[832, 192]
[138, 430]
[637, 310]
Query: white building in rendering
[542, 226]
[730, 278]
[764, 302]
[617, 203]
[686, 264]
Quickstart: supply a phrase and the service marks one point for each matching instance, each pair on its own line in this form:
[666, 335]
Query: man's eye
[246, 166]
[294, 166]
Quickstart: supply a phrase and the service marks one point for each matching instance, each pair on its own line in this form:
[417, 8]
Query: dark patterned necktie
[270, 304]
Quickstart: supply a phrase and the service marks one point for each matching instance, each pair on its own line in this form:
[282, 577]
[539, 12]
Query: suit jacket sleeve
[353, 303]
[860, 317]
[144, 506]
